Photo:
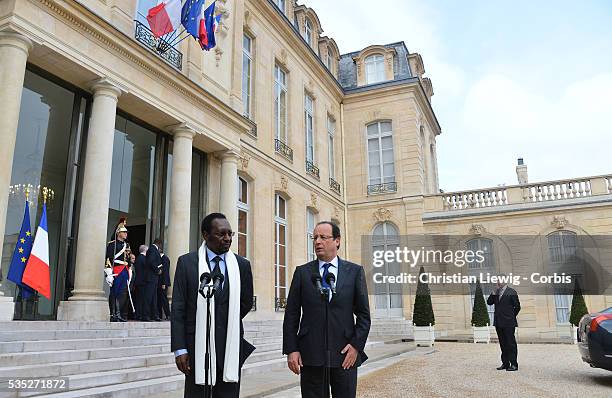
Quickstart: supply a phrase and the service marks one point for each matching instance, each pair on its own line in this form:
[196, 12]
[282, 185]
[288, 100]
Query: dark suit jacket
[164, 278]
[303, 326]
[153, 260]
[139, 267]
[184, 304]
[506, 308]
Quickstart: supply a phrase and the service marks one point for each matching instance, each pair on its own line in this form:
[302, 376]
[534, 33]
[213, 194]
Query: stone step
[34, 335]
[78, 344]
[80, 325]
[45, 357]
[171, 381]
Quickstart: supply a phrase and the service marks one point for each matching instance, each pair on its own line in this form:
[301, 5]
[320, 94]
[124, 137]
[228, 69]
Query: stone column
[180, 196]
[229, 190]
[88, 302]
[14, 49]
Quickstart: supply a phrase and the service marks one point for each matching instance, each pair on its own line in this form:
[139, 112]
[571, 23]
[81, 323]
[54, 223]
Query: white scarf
[232, 342]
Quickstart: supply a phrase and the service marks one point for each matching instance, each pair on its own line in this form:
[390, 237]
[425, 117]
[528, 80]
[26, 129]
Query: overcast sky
[511, 79]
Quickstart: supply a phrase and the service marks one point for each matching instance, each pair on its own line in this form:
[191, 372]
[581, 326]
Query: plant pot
[482, 334]
[574, 332]
[424, 336]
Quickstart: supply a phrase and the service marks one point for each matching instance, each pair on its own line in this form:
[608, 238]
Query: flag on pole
[191, 15]
[208, 24]
[165, 17]
[21, 254]
[36, 274]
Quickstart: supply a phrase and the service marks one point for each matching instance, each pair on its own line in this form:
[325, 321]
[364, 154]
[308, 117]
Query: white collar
[333, 262]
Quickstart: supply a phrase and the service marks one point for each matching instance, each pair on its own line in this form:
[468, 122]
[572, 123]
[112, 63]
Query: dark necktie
[217, 270]
[325, 273]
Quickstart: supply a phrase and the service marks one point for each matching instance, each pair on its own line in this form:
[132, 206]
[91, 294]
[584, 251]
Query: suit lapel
[342, 275]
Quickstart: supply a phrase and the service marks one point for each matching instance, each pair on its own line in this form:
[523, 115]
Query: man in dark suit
[153, 270]
[305, 314]
[507, 307]
[217, 234]
[139, 280]
[163, 307]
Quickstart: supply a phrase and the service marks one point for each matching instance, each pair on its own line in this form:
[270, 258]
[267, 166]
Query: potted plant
[423, 316]
[579, 309]
[480, 318]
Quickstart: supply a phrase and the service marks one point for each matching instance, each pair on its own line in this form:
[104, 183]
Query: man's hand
[182, 363]
[294, 360]
[351, 356]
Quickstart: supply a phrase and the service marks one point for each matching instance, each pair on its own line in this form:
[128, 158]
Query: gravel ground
[468, 370]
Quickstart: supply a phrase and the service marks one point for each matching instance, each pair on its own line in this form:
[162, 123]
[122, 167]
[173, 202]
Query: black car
[595, 339]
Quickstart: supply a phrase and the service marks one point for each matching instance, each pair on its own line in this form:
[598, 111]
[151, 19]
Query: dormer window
[375, 69]
[308, 31]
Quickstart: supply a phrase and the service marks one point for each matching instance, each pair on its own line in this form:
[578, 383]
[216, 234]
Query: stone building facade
[273, 127]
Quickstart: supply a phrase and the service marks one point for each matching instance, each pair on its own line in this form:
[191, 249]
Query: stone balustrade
[548, 191]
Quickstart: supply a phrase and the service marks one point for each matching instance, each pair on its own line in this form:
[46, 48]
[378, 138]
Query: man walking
[163, 307]
[347, 314]
[507, 307]
[230, 303]
[139, 280]
[153, 270]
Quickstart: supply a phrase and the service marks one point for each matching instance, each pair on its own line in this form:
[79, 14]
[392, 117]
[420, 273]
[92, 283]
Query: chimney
[521, 172]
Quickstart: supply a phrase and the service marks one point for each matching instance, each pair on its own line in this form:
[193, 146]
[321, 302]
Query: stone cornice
[101, 31]
[410, 85]
[297, 42]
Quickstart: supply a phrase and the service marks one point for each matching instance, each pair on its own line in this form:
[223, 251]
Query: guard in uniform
[117, 274]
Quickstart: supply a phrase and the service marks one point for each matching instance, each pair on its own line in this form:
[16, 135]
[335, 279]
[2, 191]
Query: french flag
[165, 17]
[36, 274]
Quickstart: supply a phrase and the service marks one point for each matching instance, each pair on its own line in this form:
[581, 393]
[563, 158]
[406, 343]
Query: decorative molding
[314, 200]
[218, 54]
[382, 214]
[244, 161]
[477, 229]
[284, 183]
[337, 213]
[162, 76]
[559, 222]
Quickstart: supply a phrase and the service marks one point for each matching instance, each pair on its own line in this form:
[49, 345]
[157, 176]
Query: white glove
[109, 280]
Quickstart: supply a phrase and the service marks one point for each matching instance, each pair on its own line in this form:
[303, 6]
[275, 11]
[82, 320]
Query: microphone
[331, 281]
[217, 282]
[204, 280]
[316, 279]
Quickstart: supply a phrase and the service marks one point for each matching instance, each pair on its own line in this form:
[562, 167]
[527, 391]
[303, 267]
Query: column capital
[17, 40]
[230, 155]
[182, 130]
[108, 87]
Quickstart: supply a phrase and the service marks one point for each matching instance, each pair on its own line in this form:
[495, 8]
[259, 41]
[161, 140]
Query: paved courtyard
[458, 370]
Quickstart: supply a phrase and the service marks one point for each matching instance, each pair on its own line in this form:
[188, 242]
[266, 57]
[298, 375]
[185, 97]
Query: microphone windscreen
[205, 277]
[330, 277]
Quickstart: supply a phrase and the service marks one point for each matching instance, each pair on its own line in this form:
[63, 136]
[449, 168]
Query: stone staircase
[133, 359]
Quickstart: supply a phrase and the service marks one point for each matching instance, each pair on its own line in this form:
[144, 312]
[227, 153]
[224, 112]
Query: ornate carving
[336, 212]
[218, 54]
[247, 17]
[477, 229]
[283, 56]
[382, 214]
[284, 183]
[314, 200]
[244, 161]
[559, 222]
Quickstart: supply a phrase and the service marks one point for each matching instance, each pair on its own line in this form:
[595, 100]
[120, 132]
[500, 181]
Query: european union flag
[191, 15]
[21, 254]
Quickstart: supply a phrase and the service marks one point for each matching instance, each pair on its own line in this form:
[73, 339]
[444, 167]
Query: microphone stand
[327, 369]
[207, 387]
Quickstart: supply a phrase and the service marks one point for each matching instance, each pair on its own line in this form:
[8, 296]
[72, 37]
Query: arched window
[562, 250]
[280, 251]
[375, 69]
[381, 168]
[388, 301]
[243, 217]
[330, 59]
[308, 31]
[562, 247]
[484, 247]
